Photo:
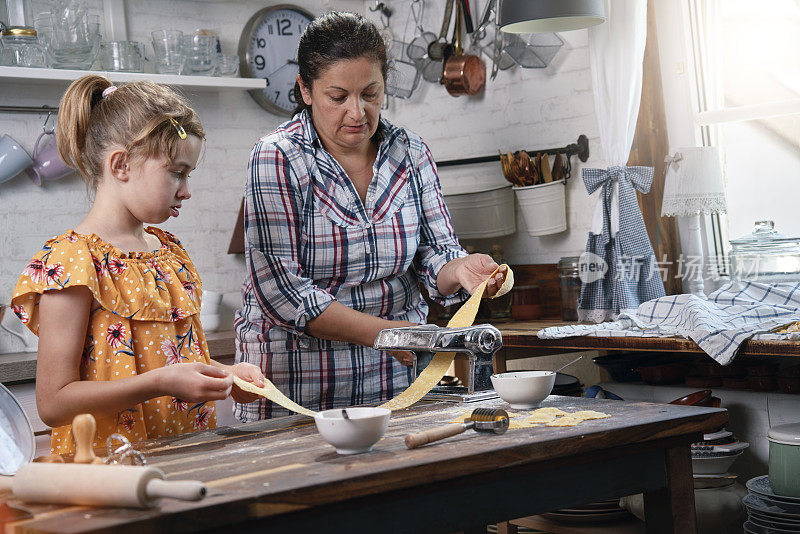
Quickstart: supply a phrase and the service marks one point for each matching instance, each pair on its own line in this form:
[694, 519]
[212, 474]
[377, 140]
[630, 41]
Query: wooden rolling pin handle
[83, 429]
[435, 434]
[184, 490]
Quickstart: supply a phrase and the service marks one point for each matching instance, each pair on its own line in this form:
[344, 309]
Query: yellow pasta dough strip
[272, 393]
[431, 376]
[549, 410]
[441, 361]
[541, 418]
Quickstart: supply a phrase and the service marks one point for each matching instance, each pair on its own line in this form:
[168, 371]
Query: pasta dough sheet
[429, 377]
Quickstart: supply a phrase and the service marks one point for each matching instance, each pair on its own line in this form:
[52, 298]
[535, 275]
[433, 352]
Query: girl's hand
[472, 270]
[249, 373]
[194, 382]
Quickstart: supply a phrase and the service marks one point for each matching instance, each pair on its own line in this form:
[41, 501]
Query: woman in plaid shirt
[344, 218]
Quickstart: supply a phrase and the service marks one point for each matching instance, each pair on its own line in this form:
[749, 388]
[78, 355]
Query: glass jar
[569, 283]
[21, 48]
[765, 256]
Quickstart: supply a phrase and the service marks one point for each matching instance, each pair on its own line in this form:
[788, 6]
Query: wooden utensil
[487, 420]
[464, 74]
[84, 427]
[544, 168]
[559, 167]
[98, 485]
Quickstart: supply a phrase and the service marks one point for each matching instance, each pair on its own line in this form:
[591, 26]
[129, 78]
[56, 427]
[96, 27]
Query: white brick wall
[520, 109]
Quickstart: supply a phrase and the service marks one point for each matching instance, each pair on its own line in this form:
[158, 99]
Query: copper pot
[464, 74]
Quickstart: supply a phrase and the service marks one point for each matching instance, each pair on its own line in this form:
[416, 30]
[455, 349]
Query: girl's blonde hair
[136, 117]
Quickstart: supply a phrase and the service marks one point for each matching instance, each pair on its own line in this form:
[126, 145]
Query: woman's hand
[470, 271]
[249, 373]
[403, 356]
[194, 382]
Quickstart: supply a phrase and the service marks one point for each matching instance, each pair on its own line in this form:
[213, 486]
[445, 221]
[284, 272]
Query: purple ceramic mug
[47, 164]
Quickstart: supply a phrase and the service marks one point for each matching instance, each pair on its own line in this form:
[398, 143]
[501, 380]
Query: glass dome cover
[765, 255]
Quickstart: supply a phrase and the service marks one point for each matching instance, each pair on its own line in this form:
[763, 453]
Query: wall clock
[268, 50]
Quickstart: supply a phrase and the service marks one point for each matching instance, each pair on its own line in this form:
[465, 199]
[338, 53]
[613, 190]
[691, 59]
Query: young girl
[116, 304]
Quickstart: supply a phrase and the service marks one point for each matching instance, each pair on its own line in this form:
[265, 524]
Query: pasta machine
[477, 344]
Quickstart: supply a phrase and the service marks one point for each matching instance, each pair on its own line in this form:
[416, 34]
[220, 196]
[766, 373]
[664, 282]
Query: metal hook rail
[581, 148]
[28, 109]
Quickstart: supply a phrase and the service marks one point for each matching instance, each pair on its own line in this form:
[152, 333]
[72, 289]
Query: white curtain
[616, 53]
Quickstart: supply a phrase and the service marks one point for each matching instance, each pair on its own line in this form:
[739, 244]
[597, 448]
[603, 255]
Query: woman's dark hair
[333, 37]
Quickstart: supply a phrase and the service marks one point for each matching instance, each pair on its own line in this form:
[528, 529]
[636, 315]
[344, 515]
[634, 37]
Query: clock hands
[288, 62]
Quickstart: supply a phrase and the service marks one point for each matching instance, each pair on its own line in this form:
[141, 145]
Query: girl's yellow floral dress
[148, 317]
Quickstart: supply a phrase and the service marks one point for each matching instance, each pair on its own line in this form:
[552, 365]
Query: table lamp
[693, 185]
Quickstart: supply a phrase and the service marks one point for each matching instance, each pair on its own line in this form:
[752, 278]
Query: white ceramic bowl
[524, 389]
[358, 433]
[710, 465]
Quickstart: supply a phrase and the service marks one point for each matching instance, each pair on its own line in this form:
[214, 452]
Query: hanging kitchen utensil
[463, 74]
[417, 49]
[440, 49]
[534, 51]
[483, 39]
[403, 76]
[467, 16]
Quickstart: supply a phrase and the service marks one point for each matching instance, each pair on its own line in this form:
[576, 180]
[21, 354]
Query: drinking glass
[127, 56]
[168, 51]
[201, 54]
[227, 65]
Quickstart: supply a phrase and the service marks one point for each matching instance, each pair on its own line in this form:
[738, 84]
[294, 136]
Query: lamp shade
[540, 16]
[693, 183]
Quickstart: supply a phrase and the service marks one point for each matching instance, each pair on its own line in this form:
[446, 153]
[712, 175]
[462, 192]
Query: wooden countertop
[523, 334]
[276, 472]
[21, 367]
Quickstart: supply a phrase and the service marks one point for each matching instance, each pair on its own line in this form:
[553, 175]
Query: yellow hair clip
[178, 127]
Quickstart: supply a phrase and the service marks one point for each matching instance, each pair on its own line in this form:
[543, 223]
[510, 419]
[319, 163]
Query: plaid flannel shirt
[310, 240]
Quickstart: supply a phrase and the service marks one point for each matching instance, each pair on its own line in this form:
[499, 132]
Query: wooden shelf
[62, 77]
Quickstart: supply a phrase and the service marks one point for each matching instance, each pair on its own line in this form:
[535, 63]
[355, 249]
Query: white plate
[17, 446]
[717, 435]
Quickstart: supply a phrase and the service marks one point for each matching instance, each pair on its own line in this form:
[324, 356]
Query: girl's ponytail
[74, 114]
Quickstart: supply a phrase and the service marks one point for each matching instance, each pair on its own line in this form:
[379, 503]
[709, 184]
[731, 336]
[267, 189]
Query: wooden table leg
[506, 527]
[671, 509]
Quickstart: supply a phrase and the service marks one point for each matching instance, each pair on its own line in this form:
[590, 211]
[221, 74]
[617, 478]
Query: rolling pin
[130, 486]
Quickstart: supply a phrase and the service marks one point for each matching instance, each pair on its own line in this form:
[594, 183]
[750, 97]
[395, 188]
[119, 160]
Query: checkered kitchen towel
[623, 246]
[719, 325]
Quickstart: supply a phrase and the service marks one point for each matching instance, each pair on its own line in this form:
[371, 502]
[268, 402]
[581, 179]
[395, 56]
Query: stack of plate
[716, 453]
[595, 512]
[768, 513]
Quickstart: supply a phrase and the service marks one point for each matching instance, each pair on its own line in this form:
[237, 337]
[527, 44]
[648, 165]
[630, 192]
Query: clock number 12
[284, 26]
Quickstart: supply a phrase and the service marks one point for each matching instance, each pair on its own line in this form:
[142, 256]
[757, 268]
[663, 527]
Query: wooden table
[523, 334]
[280, 476]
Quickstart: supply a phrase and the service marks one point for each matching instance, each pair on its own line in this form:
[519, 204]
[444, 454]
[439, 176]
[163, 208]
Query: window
[747, 77]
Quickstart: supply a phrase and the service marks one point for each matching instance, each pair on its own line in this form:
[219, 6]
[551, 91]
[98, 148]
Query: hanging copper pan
[464, 74]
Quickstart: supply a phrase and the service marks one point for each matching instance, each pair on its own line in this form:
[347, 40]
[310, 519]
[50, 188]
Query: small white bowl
[359, 433]
[524, 389]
